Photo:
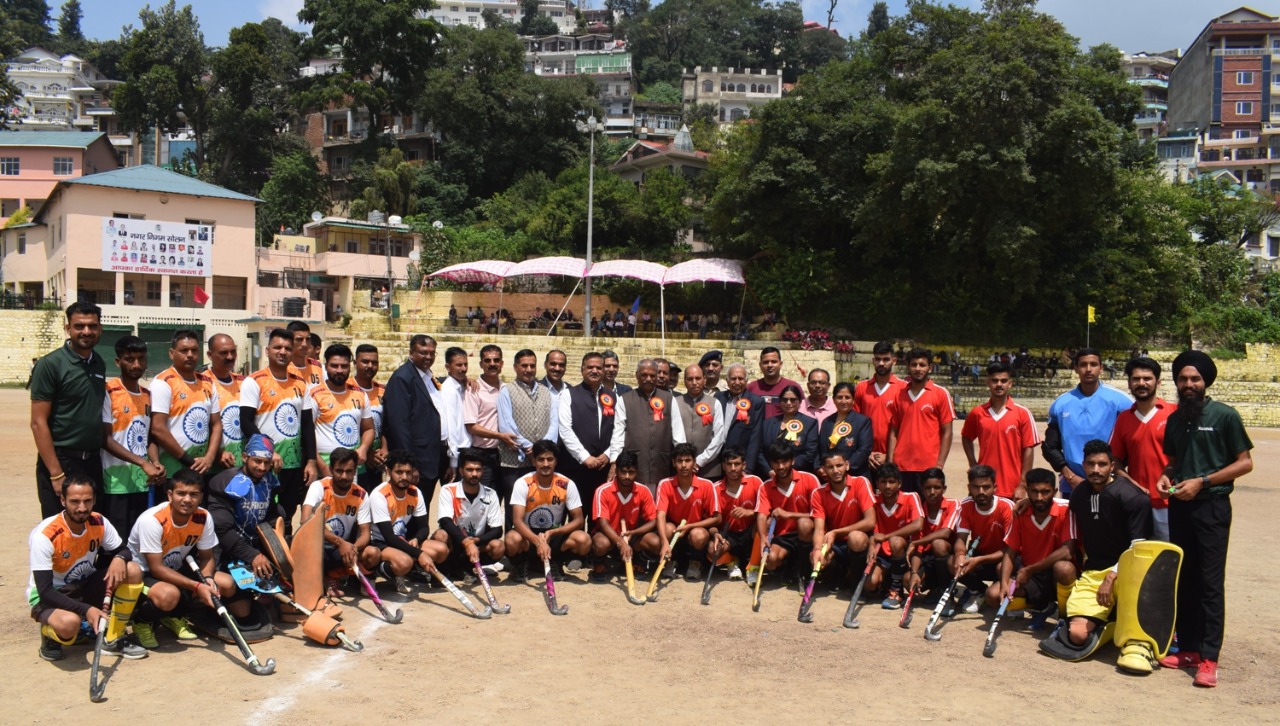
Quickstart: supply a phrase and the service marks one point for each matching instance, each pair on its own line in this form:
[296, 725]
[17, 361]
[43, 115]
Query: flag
[201, 297]
[1093, 318]
[635, 306]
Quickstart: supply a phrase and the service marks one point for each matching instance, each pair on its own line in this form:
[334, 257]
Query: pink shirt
[481, 407]
[817, 412]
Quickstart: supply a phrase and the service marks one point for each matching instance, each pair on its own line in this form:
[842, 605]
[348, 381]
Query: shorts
[457, 557]
[888, 565]
[929, 573]
[740, 544]
[911, 481]
[555, 542]
[1040, 589]
[91, 590]
[332, 562]
[1083, 602]
[789, 542]
[185, 596]
[985, 573]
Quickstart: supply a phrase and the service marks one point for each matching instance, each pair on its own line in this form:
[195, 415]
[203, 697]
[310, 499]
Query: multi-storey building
[1223, 85]
[734, 92]
[33, 162]
[471, 12]
[1150, 72]
[606, 60]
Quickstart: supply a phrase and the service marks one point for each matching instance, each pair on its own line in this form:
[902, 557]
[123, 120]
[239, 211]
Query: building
[80, 243]
[598, 55]
[332, 262]
[679, 156]
[472, 12]
[734, 93]
[33, 162]
[1178, 151]
[656, 120]
[1223, 84]
[1150, 72]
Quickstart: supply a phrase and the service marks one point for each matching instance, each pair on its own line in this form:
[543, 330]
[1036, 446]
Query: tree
[661, 92]
[534, 23]
[9, 45]
[165, 66]
[69, 33]
[1222, 212]
[387, 185]
[28, 21]
[877, 19]
[295, 190]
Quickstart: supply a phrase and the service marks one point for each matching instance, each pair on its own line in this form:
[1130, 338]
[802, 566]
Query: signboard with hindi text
[161, 248]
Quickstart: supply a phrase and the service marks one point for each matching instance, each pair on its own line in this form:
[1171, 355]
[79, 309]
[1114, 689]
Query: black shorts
[1040, 589]
[789, 542]
[740, 543]
[90, 591]
[555, 542]
[333, 562]
[985, 573]
[457, 557]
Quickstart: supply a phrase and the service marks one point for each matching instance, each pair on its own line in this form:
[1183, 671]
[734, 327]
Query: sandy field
[673, 660]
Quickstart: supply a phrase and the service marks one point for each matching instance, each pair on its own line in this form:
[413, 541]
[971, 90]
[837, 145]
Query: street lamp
[592, 127]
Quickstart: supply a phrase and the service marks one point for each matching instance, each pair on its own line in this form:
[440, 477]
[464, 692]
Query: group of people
[690, 467]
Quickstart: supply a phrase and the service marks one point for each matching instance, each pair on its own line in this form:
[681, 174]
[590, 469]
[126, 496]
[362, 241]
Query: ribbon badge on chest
[841, 430]
[657, 406]
[703, 410]
[606, 404]
[744, 410]
[793, 429]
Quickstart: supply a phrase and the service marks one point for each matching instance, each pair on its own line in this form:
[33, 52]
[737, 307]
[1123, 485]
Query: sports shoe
[1040, 618]
[51, 649]
[180, 628]
[669, 571]
[753, 574]
[972, 606]
[124, 648]
[1206, 674]
[575, 565]
[735, 572]
[1185, 659]
[599, 574]
[520, 573]
[494, 569]
[893, 601]
[146, 635]
[959, 602]
[402, 584]
[694, 573]
[1137, 657]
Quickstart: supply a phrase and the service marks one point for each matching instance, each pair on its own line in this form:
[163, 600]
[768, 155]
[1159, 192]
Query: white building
[734, 92]
[598, 55]
[1150, 72]
[471, 12]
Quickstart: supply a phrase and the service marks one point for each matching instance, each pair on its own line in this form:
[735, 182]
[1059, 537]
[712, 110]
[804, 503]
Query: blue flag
[635, 306]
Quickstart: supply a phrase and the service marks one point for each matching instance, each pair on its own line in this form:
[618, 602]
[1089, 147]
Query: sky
[1131, 25]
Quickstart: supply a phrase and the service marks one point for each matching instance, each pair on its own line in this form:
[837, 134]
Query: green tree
[1220, 211]
[9, 46]
[661, 92]
[534, 23]
[28, 20]
[877, 19]
[295, 190]
[69, 33]
[388, 185]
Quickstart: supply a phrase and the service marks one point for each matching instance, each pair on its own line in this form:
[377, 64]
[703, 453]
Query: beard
[1191, 404]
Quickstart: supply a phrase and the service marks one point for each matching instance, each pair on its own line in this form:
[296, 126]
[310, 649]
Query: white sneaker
[574, 565]
[971, 607]
[402, 585]
[735, 573]
[694, 573]
[492, 570]
[753, 574]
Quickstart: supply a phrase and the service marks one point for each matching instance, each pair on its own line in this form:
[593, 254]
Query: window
[10, 166]
[708, 87]
[1243, 134]
[473, 10]
[339, 162]
[1244, 108]
[63, 166]
[1244, 78]
[153, 291]
[453, 8]
[22, 244]
[127, 215]
[9, 207]
[353, 246]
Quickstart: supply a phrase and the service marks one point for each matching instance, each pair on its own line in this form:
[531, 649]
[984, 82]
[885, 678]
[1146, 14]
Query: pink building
[33, 162]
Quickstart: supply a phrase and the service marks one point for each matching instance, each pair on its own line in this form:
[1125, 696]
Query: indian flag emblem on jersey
[346, 430]
[338, 526]
[377, 422]
[231, 423]
[541, 518]
[136, 438]
[287, 420]
[195, 424]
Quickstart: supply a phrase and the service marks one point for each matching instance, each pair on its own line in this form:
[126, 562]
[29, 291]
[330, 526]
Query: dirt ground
[672, 660]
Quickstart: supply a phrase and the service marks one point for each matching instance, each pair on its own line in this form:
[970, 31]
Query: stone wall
[27, 334]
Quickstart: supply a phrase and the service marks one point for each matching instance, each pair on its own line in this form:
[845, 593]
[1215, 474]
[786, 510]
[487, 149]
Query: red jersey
[1140, 445]
[1001, 440]
[847, 508]
[904, 511]
[746, 498]
[694, 505]
[877, 405]
[993, 525]
[635, 509]
[797, 498]
[919, 420]
[947, 517]
[770, 393]
[1034, 541]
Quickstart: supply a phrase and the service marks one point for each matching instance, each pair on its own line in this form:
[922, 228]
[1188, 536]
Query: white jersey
[69, 556]
[155, 533]
[473, 516]
[382, 505]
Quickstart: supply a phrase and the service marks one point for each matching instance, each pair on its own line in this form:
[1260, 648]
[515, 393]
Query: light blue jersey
[1082, 418]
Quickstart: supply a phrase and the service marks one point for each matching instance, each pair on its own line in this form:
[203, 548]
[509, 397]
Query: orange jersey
[382, 505]
[279, 404]
[839, 511]
[71, 557]
[919, 420]
[337, 418]
[342, 513]
[877, 405]
[190, 406]
[374, 397]
[155, 533]
[545, 507]
[698, 503]
[635, 509]
[748, 492]
[229, 400]
[993, 525]
[1034, 540]
[312, 373]
[1001, 440]
[796, 498]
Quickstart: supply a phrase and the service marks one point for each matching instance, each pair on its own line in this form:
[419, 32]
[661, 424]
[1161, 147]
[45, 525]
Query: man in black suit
[744, 411]
[411, 408]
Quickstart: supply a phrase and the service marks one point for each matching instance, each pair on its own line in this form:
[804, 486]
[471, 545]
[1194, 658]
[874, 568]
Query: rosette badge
[657, 406]
[744, 409]
[841, 430]
[606, 404]
[703, 409]
[793, 429]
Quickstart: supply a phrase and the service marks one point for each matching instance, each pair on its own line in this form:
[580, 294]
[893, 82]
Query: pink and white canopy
[702, 270]
[713, 269]
[483, 271]
[567, 266]
[635, 269]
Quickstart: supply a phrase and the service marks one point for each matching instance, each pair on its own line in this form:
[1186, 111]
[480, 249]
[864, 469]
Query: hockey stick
[488, 591]
[462, 597]
[96, 687]
[946, 597]
[905, 621]
[989, 648]
[262, 669]
[390, 617]
[764, 557]
[631, 575]
[549, 591]
[652, 595]
[849, 620]
[711, 570]
[806, 602]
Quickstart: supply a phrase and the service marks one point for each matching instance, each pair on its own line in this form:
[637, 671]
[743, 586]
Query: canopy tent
[700, 270]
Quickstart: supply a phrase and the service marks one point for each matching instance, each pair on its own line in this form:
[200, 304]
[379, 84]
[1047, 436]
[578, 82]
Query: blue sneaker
[893, 601]
[1040, 618]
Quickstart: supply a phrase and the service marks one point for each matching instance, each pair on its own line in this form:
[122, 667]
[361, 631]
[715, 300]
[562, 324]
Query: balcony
[1237, 52]
[83, 122]
[1151, 82]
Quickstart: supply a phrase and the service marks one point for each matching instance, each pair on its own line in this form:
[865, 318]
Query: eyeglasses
[789, 400]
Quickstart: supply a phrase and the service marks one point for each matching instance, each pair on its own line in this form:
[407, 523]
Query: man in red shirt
[899, 517]
[687, 504]
[1137, 441]
[771, 381]
[787, 497]
[843, 515]
[985, 515]
[931, 551]
[1038, 550]
[874, 399]
[618, 503]
[920, 431]
[737, 492]
[1005, 433]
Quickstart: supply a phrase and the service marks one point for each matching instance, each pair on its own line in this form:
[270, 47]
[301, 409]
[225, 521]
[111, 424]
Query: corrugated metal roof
[68, 139]
[150, 178]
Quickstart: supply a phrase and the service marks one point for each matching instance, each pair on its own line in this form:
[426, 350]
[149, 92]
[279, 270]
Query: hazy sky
[1128, 24]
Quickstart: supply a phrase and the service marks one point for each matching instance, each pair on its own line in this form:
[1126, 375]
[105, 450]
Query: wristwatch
[1204, 481]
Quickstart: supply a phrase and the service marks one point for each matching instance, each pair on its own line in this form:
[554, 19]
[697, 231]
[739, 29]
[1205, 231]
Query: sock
[941, 575]
[755, 552]
[1017, 603]
[384, 569]
[1064, 592]
[123, 601]
[897, 568]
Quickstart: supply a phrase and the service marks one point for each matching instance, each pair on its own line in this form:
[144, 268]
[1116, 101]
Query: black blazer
[410, 420]
[805, 445]
[743, 435]
[856, 447]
